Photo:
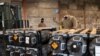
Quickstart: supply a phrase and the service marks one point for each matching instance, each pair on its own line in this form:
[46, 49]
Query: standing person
[69, 22]
[42, 24]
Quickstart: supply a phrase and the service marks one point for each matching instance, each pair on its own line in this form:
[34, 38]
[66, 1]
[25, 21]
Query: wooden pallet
[78, 31]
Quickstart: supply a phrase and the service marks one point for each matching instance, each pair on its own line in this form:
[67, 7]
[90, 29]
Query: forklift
[10, 16]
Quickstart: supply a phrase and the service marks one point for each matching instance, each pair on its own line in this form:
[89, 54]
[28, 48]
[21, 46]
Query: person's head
[42, 20]
[65, 17]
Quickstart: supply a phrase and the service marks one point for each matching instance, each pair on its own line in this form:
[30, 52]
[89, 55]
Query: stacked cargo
[75, 42]
[47, 42]
[31, 41]
[21, 42]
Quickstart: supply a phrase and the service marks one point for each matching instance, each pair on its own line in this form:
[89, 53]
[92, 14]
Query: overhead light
[2, 3]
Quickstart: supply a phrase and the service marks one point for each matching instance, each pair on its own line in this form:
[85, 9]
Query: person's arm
[59, 23]
[54, 19]
[75, 24]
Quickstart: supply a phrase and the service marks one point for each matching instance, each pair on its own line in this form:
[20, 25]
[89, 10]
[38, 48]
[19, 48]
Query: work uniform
[69, 23]
[42, 25]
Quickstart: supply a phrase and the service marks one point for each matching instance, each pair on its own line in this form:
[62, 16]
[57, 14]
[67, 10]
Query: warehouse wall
[47, 9]
[50, 9]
